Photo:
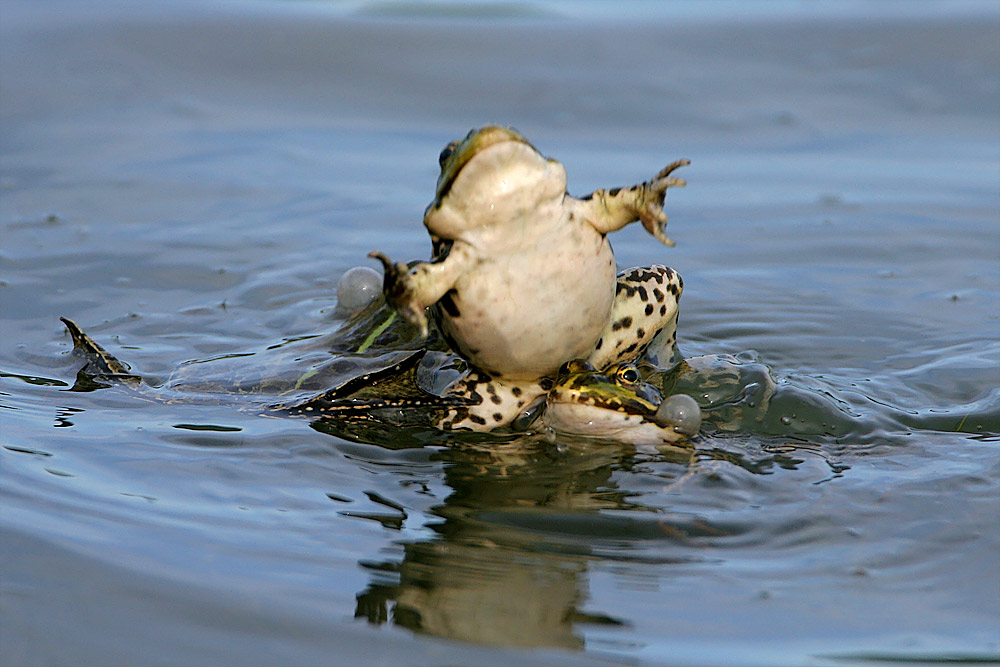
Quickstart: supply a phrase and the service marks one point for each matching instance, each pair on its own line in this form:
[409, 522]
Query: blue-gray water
[188, 182]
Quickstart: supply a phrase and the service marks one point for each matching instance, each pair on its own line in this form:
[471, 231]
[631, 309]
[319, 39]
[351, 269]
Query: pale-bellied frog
[523, 275]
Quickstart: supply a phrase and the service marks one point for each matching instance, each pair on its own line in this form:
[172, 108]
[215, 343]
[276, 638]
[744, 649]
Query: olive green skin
[613, 404]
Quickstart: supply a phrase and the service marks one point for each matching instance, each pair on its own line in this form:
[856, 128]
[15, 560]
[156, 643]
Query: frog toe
[655, 221]
[664, 175]
[399, 289]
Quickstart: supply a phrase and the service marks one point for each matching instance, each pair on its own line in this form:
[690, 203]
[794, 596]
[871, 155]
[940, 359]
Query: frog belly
[537, 322]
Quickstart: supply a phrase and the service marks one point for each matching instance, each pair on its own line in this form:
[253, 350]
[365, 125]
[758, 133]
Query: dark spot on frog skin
[642, 293]
[516, 391]
[623, 287]
[448, 303]
[497, 417]
[476, 419]
[641, 333]
[658, 294]
[649, 309]
[663, 310]
[623, 323]
[600, 342]
[496, 399]
[641, 275]
[440, 248]
[631, 348]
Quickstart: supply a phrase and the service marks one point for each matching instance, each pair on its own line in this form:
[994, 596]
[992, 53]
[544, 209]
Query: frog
[522, 276]
[616, 404]
[509, 240]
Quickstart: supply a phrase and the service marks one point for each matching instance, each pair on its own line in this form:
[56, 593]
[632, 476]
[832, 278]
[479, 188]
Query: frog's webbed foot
[400, 290]
[101, 364]
[610, 210]
[650, 203]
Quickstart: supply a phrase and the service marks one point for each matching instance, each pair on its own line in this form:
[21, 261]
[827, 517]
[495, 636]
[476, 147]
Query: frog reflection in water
[517, 531]
[523, 277]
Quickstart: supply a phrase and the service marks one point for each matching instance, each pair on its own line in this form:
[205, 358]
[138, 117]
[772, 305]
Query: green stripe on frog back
[376, 332]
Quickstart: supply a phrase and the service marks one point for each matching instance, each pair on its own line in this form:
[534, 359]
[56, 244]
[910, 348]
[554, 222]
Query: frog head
[614, 404]
[490, 180]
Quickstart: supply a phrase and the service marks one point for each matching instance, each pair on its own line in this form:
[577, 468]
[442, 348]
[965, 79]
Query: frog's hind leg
[101, 364]
[493, 402]
[644, 315]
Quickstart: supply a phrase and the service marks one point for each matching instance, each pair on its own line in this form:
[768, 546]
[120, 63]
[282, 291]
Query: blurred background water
[189, 180]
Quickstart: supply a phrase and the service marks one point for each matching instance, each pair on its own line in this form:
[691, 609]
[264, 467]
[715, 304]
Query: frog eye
[628, 374]
[446, 153]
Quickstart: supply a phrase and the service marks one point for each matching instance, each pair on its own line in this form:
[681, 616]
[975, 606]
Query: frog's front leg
[610, 210]
[645, 308]
[412, 290]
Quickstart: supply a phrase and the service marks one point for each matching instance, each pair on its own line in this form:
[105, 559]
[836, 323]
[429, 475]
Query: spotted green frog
[616, 404]
[522, 278]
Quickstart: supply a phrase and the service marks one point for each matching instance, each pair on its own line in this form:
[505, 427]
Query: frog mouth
[611, 402]
[602, 419]
[457, 154]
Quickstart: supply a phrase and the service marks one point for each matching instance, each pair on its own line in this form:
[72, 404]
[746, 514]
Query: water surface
[188, 182]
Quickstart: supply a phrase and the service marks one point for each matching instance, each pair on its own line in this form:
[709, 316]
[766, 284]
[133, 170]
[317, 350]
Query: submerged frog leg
[610, 210]
[645, 308]
[411, 290]
[101, 364]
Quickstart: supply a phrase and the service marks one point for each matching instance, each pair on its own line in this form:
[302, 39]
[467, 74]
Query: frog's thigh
[497, 403]
[646, 300]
